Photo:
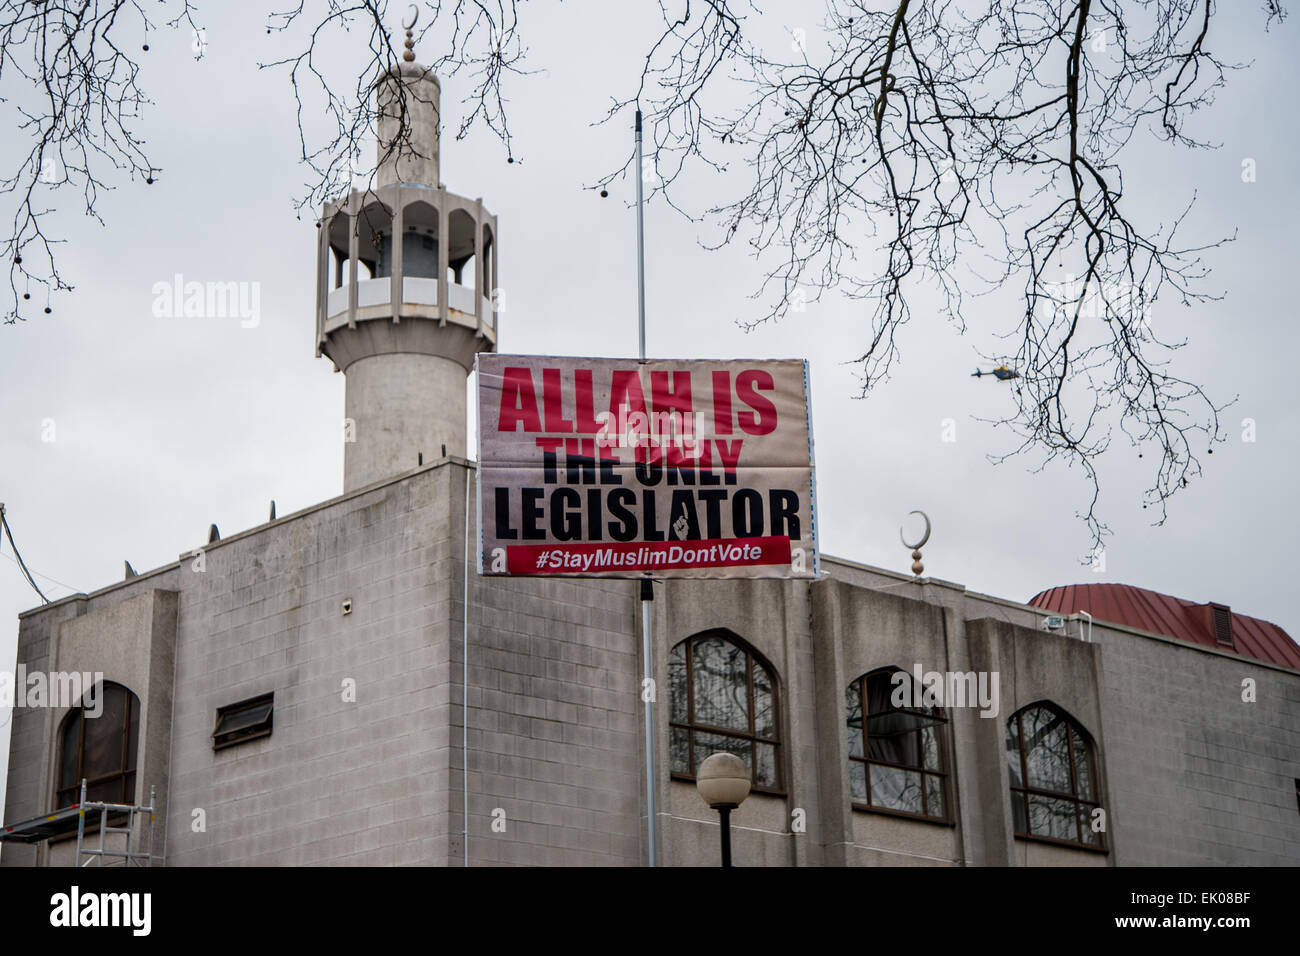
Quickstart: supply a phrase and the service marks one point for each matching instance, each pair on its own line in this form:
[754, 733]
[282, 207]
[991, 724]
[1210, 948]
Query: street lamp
[723, 782]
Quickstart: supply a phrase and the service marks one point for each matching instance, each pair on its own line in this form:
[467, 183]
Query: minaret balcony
[419, 301]
[443, 269]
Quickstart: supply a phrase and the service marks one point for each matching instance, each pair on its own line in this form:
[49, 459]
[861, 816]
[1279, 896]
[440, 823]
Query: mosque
[339, 686]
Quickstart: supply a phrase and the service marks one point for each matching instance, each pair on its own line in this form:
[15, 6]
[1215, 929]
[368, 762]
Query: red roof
[1172, 617]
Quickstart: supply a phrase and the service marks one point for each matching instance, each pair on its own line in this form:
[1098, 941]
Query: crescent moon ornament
[917, 566]
[924, 538]
[408, 55]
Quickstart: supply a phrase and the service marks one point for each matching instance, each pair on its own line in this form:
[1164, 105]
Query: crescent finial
[924, 538]
[408, 55]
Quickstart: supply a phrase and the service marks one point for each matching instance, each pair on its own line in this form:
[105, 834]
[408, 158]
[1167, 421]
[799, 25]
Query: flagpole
[647, 588]
[640, 238]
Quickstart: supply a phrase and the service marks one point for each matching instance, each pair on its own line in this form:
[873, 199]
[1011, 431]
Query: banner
[663, 468]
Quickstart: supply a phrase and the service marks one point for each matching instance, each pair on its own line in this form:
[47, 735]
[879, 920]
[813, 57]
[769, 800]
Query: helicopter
[1001, 372]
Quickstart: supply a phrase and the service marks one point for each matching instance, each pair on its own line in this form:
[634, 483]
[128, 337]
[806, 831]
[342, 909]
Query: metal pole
[130, 825]
[103, 831]
[647, 589]
[725, 820]
[647, 668]
[153, 803]
[640, 238]
[81, 821]
[464, 687]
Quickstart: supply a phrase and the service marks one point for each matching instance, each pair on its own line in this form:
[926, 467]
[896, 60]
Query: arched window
[898, 758]
[98, 742]
[1053, 776]
[461, 248]
[419, 244]
[722, 697]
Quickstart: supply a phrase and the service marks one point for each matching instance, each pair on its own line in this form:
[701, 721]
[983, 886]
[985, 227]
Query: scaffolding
[117, 810]
[66, 820]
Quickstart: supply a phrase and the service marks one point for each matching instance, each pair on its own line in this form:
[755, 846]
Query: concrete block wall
[772, 618]
[1198, 775]
[870, 630]
[127, 633]
[1033, 666]
[338, 781]
[554, 729]
[132, 643]
[29, 792]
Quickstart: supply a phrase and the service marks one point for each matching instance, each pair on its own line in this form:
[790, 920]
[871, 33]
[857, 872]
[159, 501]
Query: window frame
[257, 731]
[1024, 791]
[691, 727]
[131, 713]
[945, 758]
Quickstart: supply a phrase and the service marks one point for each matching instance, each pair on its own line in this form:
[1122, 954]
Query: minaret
[404, 320]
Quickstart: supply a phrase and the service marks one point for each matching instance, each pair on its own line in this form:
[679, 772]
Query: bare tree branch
[946, 148]
[72, 73]
[940, 147]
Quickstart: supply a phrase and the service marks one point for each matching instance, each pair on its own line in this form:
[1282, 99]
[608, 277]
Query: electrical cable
[43, 577]
[4, 523]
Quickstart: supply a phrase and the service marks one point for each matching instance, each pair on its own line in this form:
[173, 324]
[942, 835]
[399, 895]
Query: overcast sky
[164, 426]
